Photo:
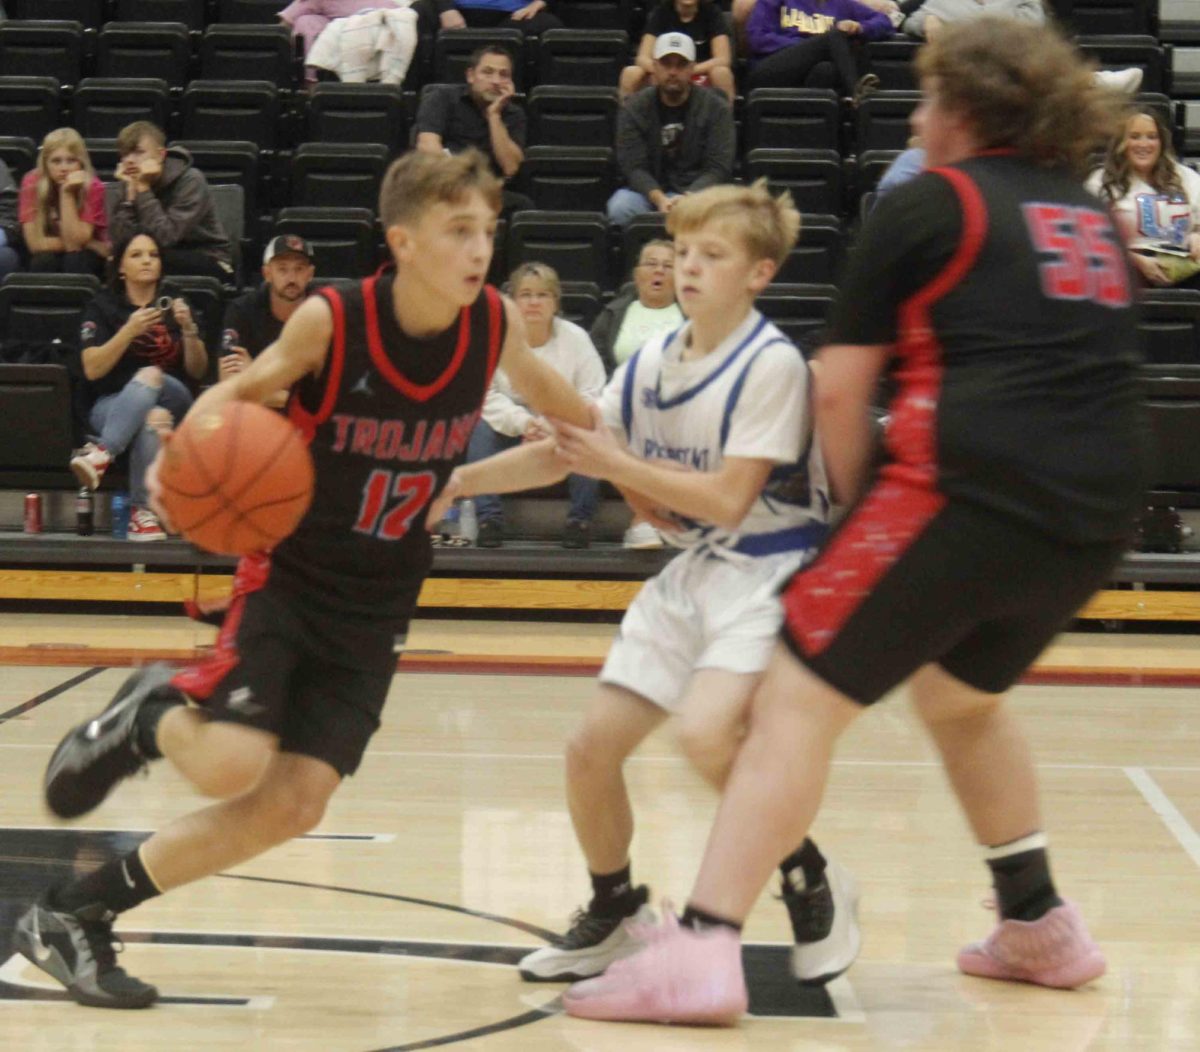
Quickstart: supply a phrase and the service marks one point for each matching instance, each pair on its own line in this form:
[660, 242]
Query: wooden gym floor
[397, 924]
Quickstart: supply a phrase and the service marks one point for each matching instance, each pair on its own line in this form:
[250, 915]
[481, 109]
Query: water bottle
[468, 525]
[120, 516]
[84, 512]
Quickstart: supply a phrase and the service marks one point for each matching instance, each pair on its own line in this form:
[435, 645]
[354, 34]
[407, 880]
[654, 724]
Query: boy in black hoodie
[169, 199]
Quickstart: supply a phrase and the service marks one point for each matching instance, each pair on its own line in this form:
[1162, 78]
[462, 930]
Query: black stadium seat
[89, 13]
[35, 404]
[574, 243]
[599, 14]
[30, 106]
[19, 152]
[102, 106]
[1169, 324]
[883, 120]
[338, 174]
[871, 166]
[569, 178]
[1120, 52]
[818, 254]
[105, 158]
[206, 298]
[190, 12]
[582, 56]
[453, 48]
[371, 113]
[343, 239]
[572, 115]
[250, 12]
[148, 49]
[650, 226]
[241, 52]
[248, 111]
[793, 118]
[230, 162]
[892, 62]
[798, 310]
[45, 307]
[1173, 406]
[580, 302]
[813, 177]
[42, 49]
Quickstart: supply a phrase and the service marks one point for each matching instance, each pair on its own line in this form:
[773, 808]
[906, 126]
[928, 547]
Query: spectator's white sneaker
[1123, 80]
[144, 526]
[643, 536]
[90, 464]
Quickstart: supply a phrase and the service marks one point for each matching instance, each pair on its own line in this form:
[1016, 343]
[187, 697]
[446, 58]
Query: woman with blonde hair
[1155, 200]
[61, 208]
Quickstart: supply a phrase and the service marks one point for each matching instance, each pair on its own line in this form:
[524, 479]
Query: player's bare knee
[239, 758]
[293, 813]
[150, 376]
[709, 748]
[589, 754]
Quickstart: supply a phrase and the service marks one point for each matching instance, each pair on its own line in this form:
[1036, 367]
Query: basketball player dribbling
[387, 378]
[1015, 453]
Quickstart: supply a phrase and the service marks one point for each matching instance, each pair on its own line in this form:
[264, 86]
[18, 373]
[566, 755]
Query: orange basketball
[236, 480]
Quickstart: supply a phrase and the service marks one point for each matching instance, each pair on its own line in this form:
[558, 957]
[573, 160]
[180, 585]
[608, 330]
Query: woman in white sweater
[507, 420]
[1155, 200]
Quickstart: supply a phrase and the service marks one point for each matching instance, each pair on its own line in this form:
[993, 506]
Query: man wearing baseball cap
[704, 22]
[254, 320]
[673, 138]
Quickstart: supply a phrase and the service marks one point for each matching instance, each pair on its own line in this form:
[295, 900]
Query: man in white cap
[254, 320]
[672, 138]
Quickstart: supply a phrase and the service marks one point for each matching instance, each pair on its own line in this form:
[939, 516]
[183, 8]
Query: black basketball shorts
[911, 577]
[284, 665]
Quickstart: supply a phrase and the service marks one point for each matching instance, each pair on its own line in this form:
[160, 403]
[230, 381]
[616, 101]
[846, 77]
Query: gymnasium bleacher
[224, 78]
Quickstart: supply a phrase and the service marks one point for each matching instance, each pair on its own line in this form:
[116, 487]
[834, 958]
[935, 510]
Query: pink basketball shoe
[1054, 950]
[680, 976]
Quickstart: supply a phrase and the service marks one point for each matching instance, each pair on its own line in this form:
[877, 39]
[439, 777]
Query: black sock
[611, 892]
[699, 920]
[119, 885]
[1024, 890]
[148, 718]
[811, 863]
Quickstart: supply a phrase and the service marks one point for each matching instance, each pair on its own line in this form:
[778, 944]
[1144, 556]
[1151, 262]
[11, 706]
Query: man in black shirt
[672, 138]
[705, 23]
[480, 113]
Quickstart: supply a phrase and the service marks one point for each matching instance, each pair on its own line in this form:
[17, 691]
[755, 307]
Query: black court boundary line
[50, 694]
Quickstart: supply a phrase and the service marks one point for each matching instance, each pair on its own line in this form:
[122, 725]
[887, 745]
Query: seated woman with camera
[142, 355]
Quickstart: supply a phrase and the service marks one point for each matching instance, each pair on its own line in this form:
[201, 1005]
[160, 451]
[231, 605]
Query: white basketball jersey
[687, 411]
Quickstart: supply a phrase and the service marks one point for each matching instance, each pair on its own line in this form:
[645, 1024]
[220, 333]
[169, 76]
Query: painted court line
[1162, 806]
[357, 838]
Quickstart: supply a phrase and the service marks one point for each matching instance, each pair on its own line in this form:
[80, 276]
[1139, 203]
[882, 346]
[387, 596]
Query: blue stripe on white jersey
[688, 420]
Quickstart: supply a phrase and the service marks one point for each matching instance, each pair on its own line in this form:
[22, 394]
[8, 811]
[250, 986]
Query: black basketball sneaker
[94, 756]
[594, 941]
[80, 950]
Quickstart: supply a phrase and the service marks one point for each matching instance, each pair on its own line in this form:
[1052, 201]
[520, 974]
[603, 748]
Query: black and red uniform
[307, 648]
[1015, 447]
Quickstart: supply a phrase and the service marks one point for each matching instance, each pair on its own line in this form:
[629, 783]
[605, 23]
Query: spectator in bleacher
[673, 137]
[480, 113]
[742, 9]
[166, 197]
[629, 321]
[1155, 201]
[648, 309]
[704, 22]
[255, 319]
[788, 39]
[507, 420]
[532, 18]
[907, 165]
[308, 19]
[140, 362]
[10, 228]
[930, 15]
[62, 209]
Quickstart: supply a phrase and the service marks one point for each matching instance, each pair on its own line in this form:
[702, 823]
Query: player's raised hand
[590, 451]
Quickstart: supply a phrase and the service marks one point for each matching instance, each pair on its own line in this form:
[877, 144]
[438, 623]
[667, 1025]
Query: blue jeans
[626, 203]
[486, 442]
[9, 261]
[120, 420]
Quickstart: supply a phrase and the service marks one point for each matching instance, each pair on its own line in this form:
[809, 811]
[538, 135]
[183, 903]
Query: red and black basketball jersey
[1005, 292]
[387, 420]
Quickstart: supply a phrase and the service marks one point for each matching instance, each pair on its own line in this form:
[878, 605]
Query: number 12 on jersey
[1085, 261]
[412, 493]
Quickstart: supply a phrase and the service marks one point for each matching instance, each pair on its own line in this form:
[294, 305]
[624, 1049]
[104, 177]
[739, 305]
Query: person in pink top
[61, 209]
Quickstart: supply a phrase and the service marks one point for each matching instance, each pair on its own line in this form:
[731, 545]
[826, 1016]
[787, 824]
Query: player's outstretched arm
[541, 386]
[300, 350]
[846, 377]
[530, 465]
[722, 497]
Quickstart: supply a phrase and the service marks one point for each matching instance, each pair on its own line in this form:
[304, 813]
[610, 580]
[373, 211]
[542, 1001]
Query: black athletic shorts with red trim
[912, 578]
[314, 679]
